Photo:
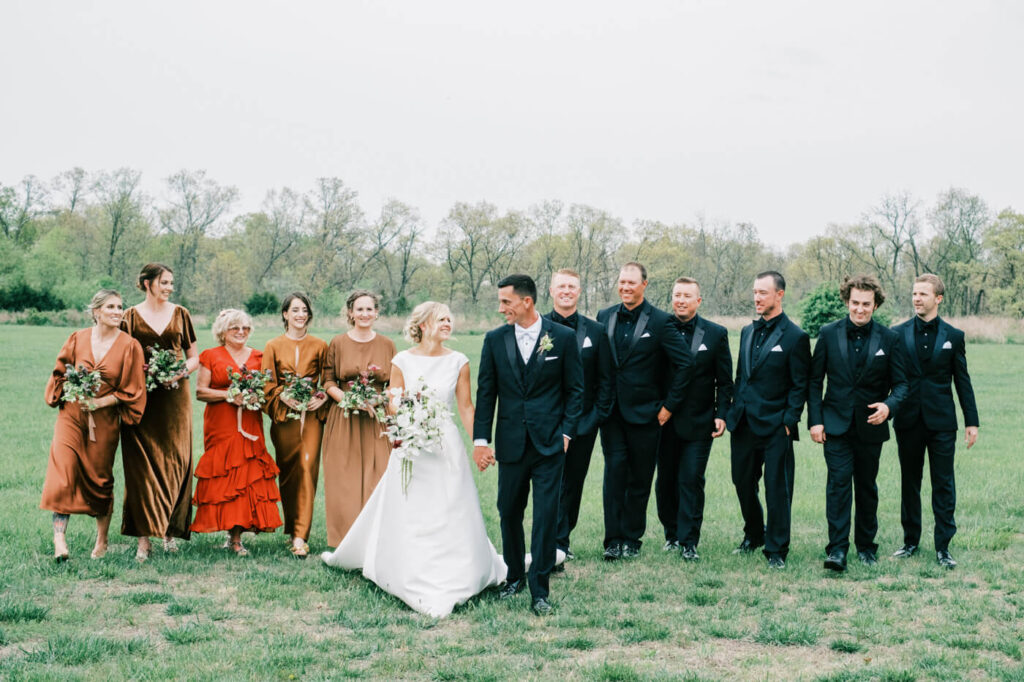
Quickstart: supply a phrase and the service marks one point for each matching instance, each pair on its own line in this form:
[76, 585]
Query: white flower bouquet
[415, 427]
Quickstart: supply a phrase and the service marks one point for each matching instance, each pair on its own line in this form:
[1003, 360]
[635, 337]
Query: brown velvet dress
[296, 444]
[157, 452]
[80, 473]
[354, 453]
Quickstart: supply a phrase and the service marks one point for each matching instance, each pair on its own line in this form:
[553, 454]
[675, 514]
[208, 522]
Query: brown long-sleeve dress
[80, 473]
[296, 445]
[157, 452]
[354, 453]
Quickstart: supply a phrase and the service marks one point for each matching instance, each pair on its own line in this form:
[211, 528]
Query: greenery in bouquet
[415, 426]
[80, 385]
[249, 384]
[361, 394]
[301, 390]
[164, 368]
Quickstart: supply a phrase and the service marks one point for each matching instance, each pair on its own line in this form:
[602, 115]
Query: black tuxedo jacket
[710, 391]
[544, 398]
[641, 376]
[930, 395]
[883, 379]
[771, 387]
[597, 378]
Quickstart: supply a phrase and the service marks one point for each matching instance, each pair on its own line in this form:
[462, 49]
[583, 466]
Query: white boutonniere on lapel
[544, 345]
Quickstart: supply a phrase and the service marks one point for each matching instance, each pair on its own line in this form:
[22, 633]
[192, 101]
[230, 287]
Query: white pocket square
[549, 358]
[701, 347]
[947, 345]
[880, 352]
[777, 349]
[587, 343]
[645, 335]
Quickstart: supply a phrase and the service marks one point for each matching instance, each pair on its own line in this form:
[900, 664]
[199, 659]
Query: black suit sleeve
[572, 387]
[674, 347]
[816, 381]
[962, 381]
[799, 366]
[486, 391]
[723, 377]
[897, 378]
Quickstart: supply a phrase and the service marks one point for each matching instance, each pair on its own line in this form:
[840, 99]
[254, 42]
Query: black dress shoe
[747, 546]
[836, 561]
[613, 552]
[558, 568]
[945, 559]
[776, 561]
[689, 553]
[569, 556]
[670, 546]
[868, 558]
[541, 607]
[905, 552]
[511, 589]
[630, 552]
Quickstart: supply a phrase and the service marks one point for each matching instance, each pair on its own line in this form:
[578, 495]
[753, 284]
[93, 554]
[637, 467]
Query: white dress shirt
[526, 339]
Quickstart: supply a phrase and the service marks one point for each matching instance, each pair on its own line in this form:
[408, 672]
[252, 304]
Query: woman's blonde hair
[227, 318]
[426, 313]
[101, 297]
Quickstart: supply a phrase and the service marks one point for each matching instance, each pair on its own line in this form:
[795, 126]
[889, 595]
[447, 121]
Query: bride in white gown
[428, 545]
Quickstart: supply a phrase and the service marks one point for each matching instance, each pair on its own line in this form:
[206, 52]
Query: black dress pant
[679, 488]
[630, 456]
[941, 446]
[574, 475]
[514, 480]
[852, 472]
[774, 454]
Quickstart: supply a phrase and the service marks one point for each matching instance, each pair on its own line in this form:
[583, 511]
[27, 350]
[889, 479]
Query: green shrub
[823, 305]
[262, 303]
[21, 296]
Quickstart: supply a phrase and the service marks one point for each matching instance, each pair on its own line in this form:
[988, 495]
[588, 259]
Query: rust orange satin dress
[235, 483]
[296, 443]
[355, 455]
[156, 453]
[80, 473]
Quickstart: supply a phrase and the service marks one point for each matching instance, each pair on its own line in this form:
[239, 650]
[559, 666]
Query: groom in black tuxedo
[531, 368]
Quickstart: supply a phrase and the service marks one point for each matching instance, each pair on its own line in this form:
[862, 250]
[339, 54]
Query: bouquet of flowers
[248, 384]
[164, 367]
[415, 427]
[360, 394]
[81, 386]
[301, 390]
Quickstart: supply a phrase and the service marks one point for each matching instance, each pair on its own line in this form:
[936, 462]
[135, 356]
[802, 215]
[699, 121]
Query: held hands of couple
[483, 456]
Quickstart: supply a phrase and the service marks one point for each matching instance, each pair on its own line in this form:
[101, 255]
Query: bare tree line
[81, 230]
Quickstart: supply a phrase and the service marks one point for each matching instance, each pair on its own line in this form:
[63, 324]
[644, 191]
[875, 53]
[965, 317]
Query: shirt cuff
[567, 436]
[480, 441]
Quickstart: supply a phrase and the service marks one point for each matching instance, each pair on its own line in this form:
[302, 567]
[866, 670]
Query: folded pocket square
[880, 352]
[587, 343]
[947, 345]
[777, 349]
[549, 358]
[645, 335]
[701, 347]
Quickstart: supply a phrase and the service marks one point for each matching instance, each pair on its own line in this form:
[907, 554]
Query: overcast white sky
[790, 115]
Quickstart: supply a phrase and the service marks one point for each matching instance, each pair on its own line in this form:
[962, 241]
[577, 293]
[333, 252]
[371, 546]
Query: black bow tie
[567, 321]
[688, 326]
[930, 326]
[626, 315]
[759, 324]
[853, 331]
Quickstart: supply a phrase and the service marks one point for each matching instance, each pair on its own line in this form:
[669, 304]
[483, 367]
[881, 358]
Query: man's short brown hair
[937, 286]
[566, 271]
[862, 283]
[638, 266]
[689, 280]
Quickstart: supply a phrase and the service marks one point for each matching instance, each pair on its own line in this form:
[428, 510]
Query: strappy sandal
[170, 545]
[236, 547]
[299, 548]
[142, 555]
[98, 552]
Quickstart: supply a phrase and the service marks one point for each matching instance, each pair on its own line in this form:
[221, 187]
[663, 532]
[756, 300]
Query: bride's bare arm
[396, 380]
[464, 399]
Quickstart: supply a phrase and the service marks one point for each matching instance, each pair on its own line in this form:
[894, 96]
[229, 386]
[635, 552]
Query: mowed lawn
[205, 614]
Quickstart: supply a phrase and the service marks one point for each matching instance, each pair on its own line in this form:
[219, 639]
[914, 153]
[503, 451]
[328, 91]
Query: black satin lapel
[512, 351]
[770, 342]
[844, 352]
[611, 336]
[873, 345]
[581, 331]
[748, 343]
[536, 355]
[698, 336]
[638, 331]
[908, 340]
[940, 338]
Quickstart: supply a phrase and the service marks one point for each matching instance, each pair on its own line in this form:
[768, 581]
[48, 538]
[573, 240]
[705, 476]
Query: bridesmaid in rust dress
[354, 453]
[80, 473]
[157, 452]
[296, 441]
[236, 491]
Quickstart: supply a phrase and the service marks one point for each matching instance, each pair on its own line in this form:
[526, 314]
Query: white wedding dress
[428, 547]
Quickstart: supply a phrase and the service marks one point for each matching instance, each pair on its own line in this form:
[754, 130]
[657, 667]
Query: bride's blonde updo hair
[426, 313]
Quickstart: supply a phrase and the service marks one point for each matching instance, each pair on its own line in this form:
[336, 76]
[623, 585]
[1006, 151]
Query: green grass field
[202, 614]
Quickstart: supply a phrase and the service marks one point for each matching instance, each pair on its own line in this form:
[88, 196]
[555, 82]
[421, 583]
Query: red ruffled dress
[236, 475]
